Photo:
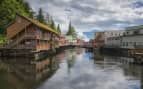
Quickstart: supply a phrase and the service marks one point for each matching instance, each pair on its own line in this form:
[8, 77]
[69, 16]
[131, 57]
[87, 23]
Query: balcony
[30, 46]
[20, 38]
[29, 36]
[43, 37]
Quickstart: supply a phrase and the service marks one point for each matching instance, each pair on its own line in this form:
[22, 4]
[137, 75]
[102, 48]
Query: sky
[92, 15]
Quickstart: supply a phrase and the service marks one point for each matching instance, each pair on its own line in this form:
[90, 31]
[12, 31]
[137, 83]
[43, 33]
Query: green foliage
[40, 16]
[3, 39]
[53, 24]
[2, 30]
[58, 28]
[48, 19]
[28, 9]
[8, 9]
[71, 31]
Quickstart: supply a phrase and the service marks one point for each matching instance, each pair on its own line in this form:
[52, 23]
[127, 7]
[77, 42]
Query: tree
[58, 28]
[8, 10]
[53, 24]
[40, 16]
[48, 19]
[28, 9]
[71, 31]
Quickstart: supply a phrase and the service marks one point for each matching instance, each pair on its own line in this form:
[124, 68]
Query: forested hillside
[8, 9]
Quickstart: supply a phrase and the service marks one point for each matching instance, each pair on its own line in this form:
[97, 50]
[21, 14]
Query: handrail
[22, 37]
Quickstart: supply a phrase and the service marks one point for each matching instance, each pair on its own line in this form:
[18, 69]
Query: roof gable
[16, 26]
[37, 23]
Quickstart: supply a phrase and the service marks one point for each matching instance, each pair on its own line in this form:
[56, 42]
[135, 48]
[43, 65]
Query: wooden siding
[19, 25]
[26, 33]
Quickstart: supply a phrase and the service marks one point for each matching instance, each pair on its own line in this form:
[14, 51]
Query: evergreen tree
[40, 16]
[28, 9]
[8, 10]
[58, 28]
[71, 31]
[53, 24]
[48, 19]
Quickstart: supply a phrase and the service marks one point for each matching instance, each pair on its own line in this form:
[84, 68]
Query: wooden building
[26, 33]
[99, 40]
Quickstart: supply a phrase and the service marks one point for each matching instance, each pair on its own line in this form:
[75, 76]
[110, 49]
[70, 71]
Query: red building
[79, 42]
[62, 41]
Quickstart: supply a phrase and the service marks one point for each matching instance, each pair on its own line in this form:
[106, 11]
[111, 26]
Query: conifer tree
[58, 28]
[8, 10]
[40, 16]
[71, 31]
[53, 24]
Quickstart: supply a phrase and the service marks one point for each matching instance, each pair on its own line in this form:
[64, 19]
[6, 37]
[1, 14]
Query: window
[123, 44]
[136, 32]
[134, 43]
[127, 44]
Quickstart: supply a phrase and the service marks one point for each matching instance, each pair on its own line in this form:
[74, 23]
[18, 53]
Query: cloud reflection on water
[84, 74]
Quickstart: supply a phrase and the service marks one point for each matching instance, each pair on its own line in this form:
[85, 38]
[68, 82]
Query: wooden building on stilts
[26, 33]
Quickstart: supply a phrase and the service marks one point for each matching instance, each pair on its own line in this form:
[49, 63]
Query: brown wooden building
[99, 39]
[26, 33]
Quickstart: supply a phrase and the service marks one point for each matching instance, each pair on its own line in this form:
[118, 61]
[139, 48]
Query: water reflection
[132, 74]
[71, 69]
[23, 73]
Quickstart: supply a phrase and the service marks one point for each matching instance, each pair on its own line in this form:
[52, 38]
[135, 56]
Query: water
[71, 69]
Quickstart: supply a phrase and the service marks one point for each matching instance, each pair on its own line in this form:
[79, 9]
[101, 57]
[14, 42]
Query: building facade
[26, 33]
[62, 41]
[99, 39]
[70, 40]
[113, 38]
[133, 38]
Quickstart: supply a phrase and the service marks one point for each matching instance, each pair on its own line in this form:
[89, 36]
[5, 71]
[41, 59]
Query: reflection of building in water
[124, 60]
[60, 56]
[79, 50]
[135, 71]
[29, 74]
[98, 57]
[71, 56]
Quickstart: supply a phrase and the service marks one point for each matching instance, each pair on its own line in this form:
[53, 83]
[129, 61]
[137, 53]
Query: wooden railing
[43, 37]
[29, 46]
[19, 39]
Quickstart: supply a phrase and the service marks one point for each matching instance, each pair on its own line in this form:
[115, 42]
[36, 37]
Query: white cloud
[82, 36]
[87, 15]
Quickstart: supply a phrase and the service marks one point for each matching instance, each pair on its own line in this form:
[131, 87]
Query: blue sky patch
[138, 4]
[90, 34]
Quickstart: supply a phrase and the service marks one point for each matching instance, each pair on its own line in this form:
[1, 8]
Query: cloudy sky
[92, 15]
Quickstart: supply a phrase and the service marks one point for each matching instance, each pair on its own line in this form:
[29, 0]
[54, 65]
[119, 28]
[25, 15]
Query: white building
[71, 40]
[133, 37]
[113, 38]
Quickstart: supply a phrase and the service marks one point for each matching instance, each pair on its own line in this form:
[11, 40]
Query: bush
[3, 39]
